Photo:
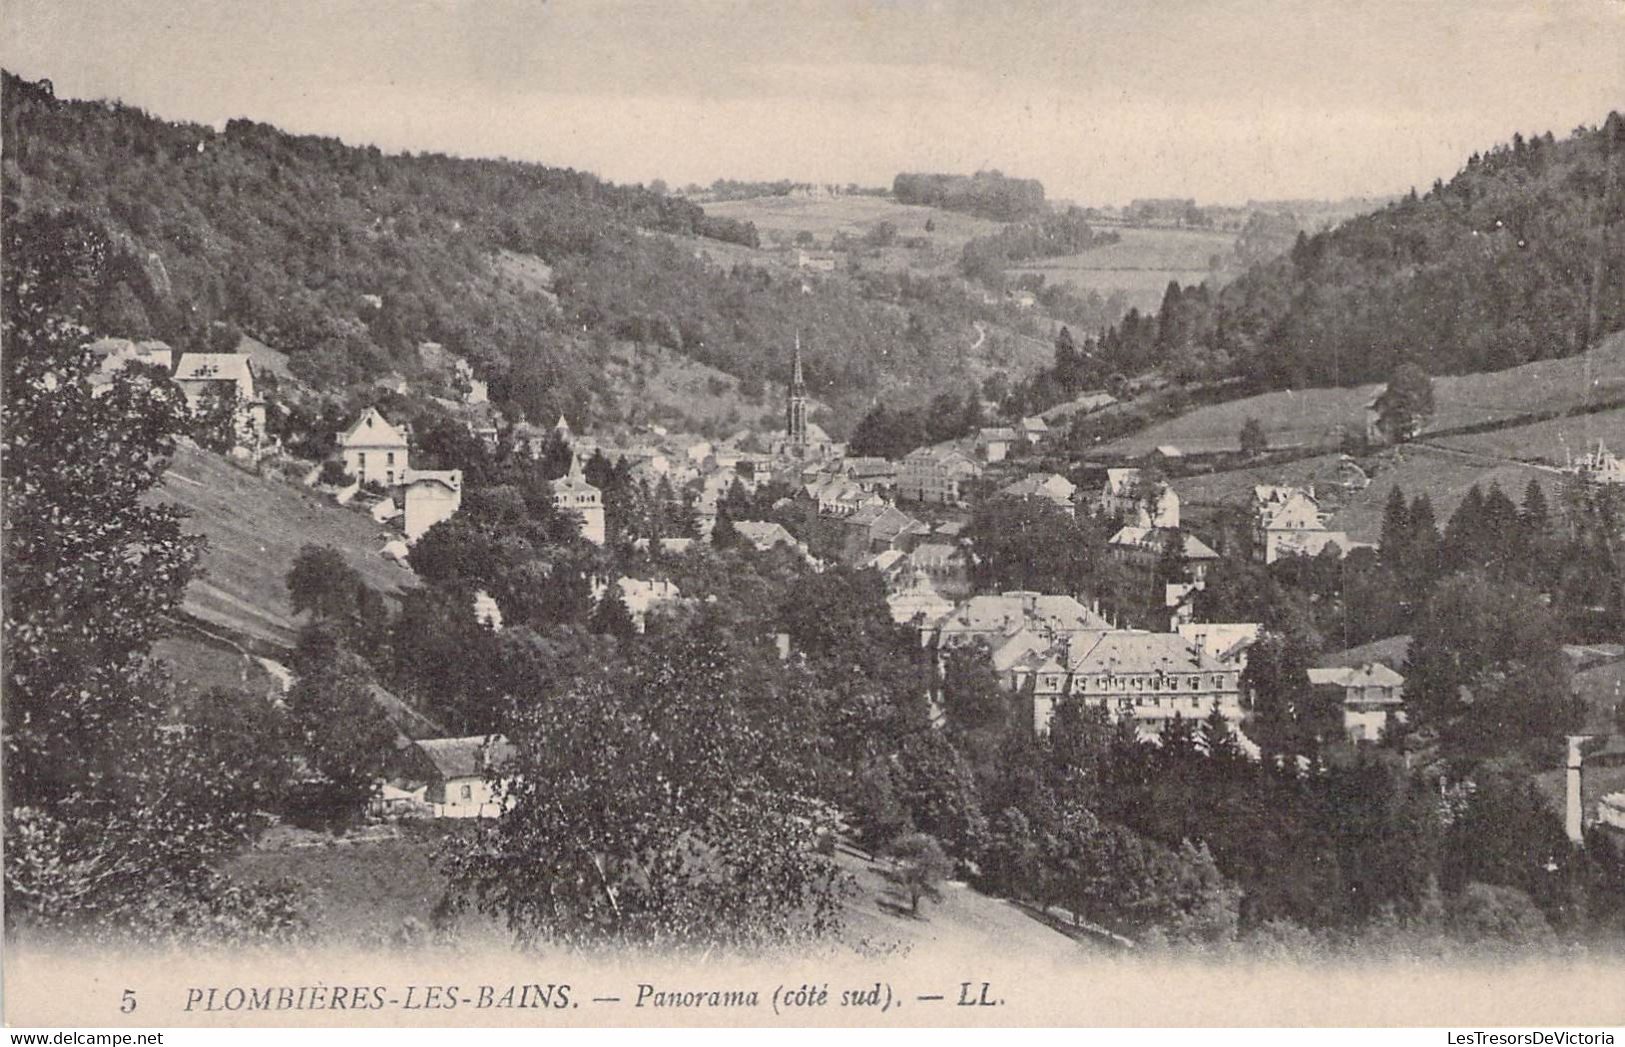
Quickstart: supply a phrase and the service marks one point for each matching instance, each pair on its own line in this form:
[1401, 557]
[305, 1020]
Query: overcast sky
[1222, 100]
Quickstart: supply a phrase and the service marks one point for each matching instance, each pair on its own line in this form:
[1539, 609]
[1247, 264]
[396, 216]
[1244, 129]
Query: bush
[333, 474]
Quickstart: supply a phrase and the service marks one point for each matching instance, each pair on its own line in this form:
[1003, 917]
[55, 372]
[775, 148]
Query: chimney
[1572, 822]
[782, 642]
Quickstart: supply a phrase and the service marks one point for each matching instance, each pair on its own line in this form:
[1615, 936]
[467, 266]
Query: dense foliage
[1519, 257]
[988, 194]
[347, 258]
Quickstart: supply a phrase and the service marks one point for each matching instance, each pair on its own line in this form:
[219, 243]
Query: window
[468, 792]
[391, 458]
[361, 459]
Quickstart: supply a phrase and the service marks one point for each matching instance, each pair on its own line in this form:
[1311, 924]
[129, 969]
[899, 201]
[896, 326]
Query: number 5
[127, 1003]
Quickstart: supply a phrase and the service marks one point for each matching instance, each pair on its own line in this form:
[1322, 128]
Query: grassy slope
[255, 527]
[365, 890]
[361, 892]
[964, 922]
[1316, 417]
[1548, 441]
[1140, 264]
[1443, 476]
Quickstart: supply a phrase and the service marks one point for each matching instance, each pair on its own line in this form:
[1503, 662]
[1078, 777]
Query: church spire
[795, 421]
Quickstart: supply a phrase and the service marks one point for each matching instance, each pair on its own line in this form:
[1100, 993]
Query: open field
[1318, 417]
[785, 216]
[255, 527]
[1140, 264]
[1444, 476]
[1550, 441]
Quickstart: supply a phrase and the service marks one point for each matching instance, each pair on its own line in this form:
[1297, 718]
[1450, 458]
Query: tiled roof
[465, 757]
[1124, 651]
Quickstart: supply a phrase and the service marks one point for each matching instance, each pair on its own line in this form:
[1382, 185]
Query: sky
[1220, 100]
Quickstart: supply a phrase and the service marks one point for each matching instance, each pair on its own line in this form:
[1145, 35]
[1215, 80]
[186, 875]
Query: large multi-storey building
[1149, 678]
[937, 475]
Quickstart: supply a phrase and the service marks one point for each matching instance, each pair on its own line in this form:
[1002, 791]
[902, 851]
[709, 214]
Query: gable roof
[1040, 485]
[764, 534]
[1153, 538]
[466, 757]
[1121, 483]
[372, 429]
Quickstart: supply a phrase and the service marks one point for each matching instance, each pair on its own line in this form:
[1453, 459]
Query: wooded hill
[1519, 257]
[347, 258]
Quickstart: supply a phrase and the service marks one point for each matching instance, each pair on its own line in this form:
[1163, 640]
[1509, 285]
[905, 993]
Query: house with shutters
[374, 450]
[936, 475]
[1140, 550]
[1372, 697]
[1147, 678]
[1288, 520]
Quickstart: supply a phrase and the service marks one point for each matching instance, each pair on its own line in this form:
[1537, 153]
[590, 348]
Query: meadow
[1140, 264]
[1318, 417]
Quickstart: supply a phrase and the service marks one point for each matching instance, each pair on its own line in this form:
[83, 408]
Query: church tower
[795, 421]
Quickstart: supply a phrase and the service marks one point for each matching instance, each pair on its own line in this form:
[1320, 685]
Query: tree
[611, 616]
[216, 421]
[695, 834]
[920, 867]
[1478, 635]
[1406, 404]
[1253, 440]
[106, 825]
[1277, 678]
[341, 734]
[323, 583]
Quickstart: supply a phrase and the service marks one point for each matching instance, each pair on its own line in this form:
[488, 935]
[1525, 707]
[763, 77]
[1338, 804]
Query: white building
[573, 494]
[206, 377]
[1138, 500]
[374, 451]
[937, 475]
[461, 773]
[431, 495]
[1288, 520]
[1147, 677]
[1372, 696]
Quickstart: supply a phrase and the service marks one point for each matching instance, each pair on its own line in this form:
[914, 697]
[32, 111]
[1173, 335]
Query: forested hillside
[1519, 257]
[347, 258]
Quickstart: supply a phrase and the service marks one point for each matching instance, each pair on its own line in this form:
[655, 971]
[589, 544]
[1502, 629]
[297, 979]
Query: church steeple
[795, 421]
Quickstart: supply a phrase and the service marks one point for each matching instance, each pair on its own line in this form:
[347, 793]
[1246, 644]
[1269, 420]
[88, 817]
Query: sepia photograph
[865, 513]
